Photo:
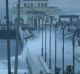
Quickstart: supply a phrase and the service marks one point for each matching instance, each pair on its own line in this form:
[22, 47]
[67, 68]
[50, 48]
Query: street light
[55, 42]
[55, 45]
[63, 28]
[76, 32]
[45, 44]
[42, 18]
[45, 40]
[17, 38]
[8, 41]
[51, 19]
[42, 36]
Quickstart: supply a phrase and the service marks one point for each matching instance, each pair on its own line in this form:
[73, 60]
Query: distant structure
[29, 11]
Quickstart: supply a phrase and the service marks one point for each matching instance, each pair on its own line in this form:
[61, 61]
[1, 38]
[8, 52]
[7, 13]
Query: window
[31, 4]
[45, 4]
[42, 4]
[28, 4]
[38, 4]
[24, 4]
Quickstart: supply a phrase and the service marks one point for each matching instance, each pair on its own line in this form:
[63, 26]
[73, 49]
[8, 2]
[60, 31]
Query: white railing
[46, 70]
[34, 69]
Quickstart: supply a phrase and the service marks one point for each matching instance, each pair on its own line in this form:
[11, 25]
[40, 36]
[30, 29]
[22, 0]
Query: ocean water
[22, 64]
[3, 48]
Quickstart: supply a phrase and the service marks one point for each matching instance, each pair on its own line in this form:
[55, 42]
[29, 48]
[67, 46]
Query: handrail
[46, 69]
[32, 65]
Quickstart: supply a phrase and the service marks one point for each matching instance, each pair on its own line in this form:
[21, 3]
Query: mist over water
[67, 6]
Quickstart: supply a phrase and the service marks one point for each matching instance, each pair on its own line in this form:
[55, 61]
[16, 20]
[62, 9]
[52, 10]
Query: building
[35, 3]
[30, 9]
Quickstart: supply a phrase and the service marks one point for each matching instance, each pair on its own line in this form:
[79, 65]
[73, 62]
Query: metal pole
[50, 45]
[37, 24]
[42, 38]
[55, 47]
[63, 53]
[45, 45]
[8, 41]
[17, 38]
[77, 31]
[73, 55]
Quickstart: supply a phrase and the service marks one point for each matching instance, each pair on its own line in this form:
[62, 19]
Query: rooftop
[69, 16]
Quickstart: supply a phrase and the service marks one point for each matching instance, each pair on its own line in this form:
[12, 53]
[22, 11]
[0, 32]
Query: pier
[35, 61]
[47, 42]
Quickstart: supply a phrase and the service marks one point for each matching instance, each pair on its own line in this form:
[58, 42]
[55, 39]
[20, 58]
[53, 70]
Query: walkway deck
[35, 63]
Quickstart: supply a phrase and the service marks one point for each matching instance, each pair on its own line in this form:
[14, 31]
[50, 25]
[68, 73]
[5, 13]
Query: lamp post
[42, 38]
[63, 28]
[74, 53]
[35, 23]
[17, 38]
[45, 44]
[51, 19]
[45, 40]
[63, 50]
[55, 45]
[42, 18]
[76, 32]
[8, 41]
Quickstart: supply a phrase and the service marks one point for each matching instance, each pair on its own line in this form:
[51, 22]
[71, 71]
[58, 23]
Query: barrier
[46, 69]
[33, 67]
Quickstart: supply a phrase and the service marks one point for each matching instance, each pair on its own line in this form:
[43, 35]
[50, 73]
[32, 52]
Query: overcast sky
[65, 3]
[59, 3]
